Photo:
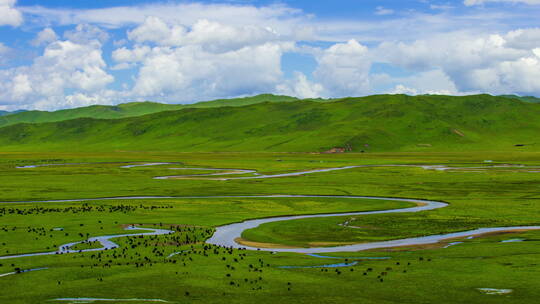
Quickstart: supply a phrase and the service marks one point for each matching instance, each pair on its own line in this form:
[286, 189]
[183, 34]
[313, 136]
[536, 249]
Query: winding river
[228, 235]
[256, 175]
[105, 241]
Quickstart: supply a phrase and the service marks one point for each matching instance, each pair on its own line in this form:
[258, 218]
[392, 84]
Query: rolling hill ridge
[370, 124]
[131, 109]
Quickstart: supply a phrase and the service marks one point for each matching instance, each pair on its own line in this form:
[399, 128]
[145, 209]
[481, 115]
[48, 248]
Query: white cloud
[154, 29]
[64, 66]
[507, 77]
[343, 69]
[523, 38]
[46, 36]
[218, 37]
[137, 54]
[300, 87]
[456, 63]
[85, 33]
[186, 14]
[381, 11]
[21, 86]
[454, 51]
[9, 15]
[401, 89]
[491, 63]
[189, 73]
[192, 51]
[71, 65]
[80, 66]
[210, 35]
[207, 60]
[290, 23]
[480, 2]
[430, 82]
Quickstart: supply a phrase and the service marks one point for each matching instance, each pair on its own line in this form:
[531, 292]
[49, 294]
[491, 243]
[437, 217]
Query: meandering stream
[227, 235]
[256, 175]
[105, 242]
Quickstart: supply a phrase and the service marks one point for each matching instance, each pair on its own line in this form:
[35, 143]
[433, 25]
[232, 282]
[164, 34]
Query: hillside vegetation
[2, 113]
[523, 98]
[375, 123]
[127, 110]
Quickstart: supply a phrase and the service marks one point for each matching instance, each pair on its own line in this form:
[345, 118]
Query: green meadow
[485, 147]
[201, 273]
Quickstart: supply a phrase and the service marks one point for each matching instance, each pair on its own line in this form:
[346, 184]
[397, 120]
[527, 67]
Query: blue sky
[62, 54]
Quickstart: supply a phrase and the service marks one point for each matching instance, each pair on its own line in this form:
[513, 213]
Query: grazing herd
[83, 208]
[183, 247]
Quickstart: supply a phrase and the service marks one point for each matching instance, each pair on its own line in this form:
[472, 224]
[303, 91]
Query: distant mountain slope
[2, 113]
[523, 98]
[236, 102]
[374, 123]
[128, 109]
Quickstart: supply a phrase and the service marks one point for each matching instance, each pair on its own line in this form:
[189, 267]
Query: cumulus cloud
[64, 66]
[480, 2]
[9, 15]
[46, 36]
[190, 72]
[434, 82]
[300, 87]
[490, 63]
[207, 60]
[343, 69]
[183, 52]
[210, 35]
[523, 38]
[154, 29]
[128, 58]
[86, 33]
[288, 21]
[455, 63]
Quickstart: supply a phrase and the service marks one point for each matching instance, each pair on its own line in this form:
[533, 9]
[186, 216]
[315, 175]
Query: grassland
[131, 109]
[204, 274]
[369, 228]
[385, 123]
[106, 218]
[523, 98]
[274, 134]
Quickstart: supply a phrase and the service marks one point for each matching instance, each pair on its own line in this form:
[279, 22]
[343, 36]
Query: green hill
[127, 109]
[2, 113]
[523, 98]
[374, 123]
[236, 102]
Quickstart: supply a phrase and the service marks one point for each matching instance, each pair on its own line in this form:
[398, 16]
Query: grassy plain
[201, 275]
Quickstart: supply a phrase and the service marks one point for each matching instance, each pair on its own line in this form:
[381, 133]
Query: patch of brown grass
[242, 241]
